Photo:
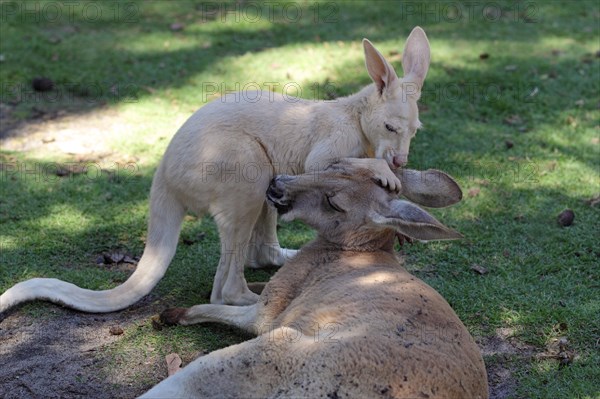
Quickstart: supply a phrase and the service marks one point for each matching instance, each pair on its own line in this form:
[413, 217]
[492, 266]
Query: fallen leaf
[533, 92]
[173, 363]
[580, 103]
[113, 257]
[566, 217]
[115, 330]
[129, 259]
[479, 269]
[510, 68]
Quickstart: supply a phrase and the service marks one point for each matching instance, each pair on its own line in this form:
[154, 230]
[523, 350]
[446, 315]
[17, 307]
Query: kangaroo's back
[373, 321]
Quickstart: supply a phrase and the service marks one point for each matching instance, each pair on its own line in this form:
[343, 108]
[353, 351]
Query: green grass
[542, 67]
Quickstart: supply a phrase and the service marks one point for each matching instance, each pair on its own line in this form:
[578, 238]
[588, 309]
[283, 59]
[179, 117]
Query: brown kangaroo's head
[350, 209]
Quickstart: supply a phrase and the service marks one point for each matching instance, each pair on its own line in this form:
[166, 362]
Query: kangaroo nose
[400, 160]
[277, 187]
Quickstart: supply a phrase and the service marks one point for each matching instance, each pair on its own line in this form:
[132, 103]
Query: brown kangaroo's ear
[412, 221]
[379, 69]
[430, 188]
[415, 58]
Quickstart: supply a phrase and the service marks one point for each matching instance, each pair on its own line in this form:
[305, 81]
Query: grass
[537, 89]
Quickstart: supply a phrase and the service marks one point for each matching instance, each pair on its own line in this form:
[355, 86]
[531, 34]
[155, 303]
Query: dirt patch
[59, 134]
[500, 352]
[63, 354]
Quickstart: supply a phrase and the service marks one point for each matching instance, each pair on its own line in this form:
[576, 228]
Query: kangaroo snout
[276, 193]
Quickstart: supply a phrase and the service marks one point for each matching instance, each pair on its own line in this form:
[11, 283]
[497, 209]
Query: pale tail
[166, 215]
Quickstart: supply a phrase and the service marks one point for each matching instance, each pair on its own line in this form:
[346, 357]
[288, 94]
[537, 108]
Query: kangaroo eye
[332, 205]
[390, 128]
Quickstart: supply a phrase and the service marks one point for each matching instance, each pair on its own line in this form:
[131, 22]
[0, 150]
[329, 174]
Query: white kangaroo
[224, 156]
[343, 318]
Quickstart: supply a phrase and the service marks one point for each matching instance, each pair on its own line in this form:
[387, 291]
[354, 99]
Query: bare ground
[62, 354]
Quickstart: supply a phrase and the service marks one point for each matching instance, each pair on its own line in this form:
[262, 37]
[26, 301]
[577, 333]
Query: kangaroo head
[349, 209]
[391, 118]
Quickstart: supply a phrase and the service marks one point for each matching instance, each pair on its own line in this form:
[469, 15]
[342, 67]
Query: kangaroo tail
[166, 215]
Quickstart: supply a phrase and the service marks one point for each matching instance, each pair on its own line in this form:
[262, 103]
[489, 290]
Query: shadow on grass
[129, 53]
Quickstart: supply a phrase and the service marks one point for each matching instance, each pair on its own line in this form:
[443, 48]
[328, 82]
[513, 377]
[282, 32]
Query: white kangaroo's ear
[431, 187]
[416, 57]
[412, 221]
[379, 69]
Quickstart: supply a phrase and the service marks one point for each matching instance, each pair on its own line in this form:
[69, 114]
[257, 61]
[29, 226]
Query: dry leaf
[479, 269]
[113, 257]
[173, 363]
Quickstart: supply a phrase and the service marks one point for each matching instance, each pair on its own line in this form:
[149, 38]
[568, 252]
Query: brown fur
[343, 318]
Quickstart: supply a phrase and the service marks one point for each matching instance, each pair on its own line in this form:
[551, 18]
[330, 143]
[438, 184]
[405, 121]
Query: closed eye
[333, 205]
[390, 128]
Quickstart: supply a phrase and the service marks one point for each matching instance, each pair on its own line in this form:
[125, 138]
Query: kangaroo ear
[415, 58]
[379, 69]
[431, 188]
[412, 221]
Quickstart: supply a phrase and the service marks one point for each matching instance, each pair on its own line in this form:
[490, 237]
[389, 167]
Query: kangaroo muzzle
[278, 195]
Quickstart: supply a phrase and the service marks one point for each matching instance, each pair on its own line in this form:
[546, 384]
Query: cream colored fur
[343, 318]
[222, 160]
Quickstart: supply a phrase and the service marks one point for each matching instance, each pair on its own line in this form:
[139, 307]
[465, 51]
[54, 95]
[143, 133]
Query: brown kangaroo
[343, 318]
